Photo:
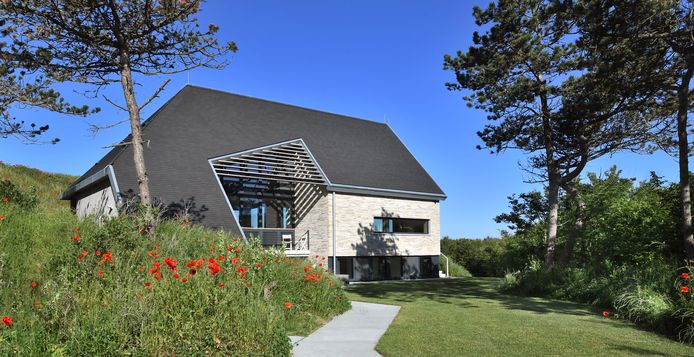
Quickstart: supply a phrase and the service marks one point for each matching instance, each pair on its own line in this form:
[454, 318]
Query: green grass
[469, 317]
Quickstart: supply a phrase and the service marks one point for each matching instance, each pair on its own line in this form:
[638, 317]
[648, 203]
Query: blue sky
[377, 60]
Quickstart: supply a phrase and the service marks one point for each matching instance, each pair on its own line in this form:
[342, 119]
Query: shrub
[109, 289]
[11, 194]
[643, 305]
[454, 269]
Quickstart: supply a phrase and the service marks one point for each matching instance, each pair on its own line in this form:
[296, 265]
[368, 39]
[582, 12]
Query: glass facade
[261, 204]
[388, 268]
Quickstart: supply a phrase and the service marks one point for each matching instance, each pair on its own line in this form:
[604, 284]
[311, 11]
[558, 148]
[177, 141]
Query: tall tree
[23, 87]
[544, 95]
[664, 32]
[111, 41]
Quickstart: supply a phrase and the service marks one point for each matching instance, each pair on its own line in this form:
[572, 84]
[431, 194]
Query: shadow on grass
[473, 290]
[636, 351]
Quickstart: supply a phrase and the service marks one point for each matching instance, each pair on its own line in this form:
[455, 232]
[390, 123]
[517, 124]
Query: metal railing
[279, 237]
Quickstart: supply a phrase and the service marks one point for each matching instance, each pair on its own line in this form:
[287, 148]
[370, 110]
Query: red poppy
[176, 276]
[158, 277]
[2, 218]
[148, 284]
[101, 273]
[84, 252]
[77, 229]
[76, 238]
[332, 283]
[184, 280]
[192, 271]
[156, 247]
[211, 250]
[684, 275]
[157, 264]
[142, 230]
[684, 289]
[97, 253]
[606, 313]
[288, 304]
[153, 270]
[34, 284]
[190, 264]
[230, 249]
[238, 250]
[214, 267]
[221, 285]
[152, 254]
[234, 260]
[258, 265]
[171, 263]
[80, 258]
[248, 285]
[221, 257]
[107, 257]
[7, 321]
[5, 199]
[142, 270]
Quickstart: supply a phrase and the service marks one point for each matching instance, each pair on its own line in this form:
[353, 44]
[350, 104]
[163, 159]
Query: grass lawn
[468, 317]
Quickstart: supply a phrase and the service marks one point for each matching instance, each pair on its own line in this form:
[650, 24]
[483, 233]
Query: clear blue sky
[378, 60]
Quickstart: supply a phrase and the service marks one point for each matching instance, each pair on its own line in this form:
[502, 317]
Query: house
[314, 182]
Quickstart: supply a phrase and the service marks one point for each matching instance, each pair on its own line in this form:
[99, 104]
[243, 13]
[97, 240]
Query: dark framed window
[400, 225]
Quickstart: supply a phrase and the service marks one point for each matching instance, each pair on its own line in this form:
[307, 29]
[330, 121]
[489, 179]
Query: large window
[400, 225]
[260, 204]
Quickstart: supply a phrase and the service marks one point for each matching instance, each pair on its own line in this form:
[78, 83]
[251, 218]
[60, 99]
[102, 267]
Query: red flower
[34, 284]
[152, 254]
[190, 264]
[221, 285]
[171, 263]
[148, 284]
[76, 238]
[238, 250]
[2, 218]
[234, 260]
[684, 289]
[332, 283]
[157, 264]
[156, 247]
[221, 257]
[684, 275]
[184, 280]
[84, 252]
[107, 257]
[288, 304]
[101, 273]
[606, 313]
[7, 321]
[230, 249]
[158, 277]
[213, 267]
[97, 253]
[176, 276]
[258, 265]
[153, 270]
[211, 250]
[192, 271]
[77, 229]
[5, 199]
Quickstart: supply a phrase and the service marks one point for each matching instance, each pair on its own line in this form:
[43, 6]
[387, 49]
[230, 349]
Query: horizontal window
[400, 225]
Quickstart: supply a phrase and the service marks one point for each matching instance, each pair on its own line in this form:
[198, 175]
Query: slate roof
[199, 123]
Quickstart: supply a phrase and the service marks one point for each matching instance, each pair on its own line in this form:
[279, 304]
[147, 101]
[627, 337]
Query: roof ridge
[285, 104]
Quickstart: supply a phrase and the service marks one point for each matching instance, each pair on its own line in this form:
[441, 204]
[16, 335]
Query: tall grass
[72, 287]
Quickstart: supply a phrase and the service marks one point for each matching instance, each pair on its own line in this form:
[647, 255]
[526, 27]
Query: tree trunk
[552, 221]
[577, 230]
[683, 145]
[137, 142]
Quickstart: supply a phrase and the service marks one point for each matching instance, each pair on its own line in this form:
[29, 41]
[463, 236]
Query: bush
[644, 305]
[10, 193]
[110, 290]
[454, 269]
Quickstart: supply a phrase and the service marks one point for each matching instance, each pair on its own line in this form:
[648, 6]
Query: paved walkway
[354, 333]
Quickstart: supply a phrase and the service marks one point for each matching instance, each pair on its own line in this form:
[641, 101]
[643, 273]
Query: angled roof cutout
[288, 161]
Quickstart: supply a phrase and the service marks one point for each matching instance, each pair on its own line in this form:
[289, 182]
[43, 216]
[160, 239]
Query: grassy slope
[48, 185]
[468, 317]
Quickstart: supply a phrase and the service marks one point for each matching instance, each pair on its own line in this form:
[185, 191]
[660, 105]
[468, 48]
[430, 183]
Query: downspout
[334, 238]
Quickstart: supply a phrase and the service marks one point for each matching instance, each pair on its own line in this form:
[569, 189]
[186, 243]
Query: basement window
[400, 225]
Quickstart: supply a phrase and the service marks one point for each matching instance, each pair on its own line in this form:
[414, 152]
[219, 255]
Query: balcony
[294, 245]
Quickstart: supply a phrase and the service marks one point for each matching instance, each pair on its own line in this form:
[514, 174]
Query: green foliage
[26, 198]
[454, 269]
[108, 290]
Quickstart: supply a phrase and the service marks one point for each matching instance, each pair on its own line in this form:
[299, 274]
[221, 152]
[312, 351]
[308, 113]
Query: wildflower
[606, 313]
[238, 250]
[77, 229]
[214, 267]
[234, 261]
[332, 283]
[684, 289]
[7, 321]
[153, 271]
[2, 218]
[176, 276]
[192, 271]
[107, 257]
[84, 252]
[258, 265]
[171, 263]
[684, 275]
[5, 199]
[97, 253]
[101, 273]
[148, 284]
[211, 250]
[184, 280]
[80, 258]
[156, 247]
[190, 264]
[152, 254]
[248, 285]
[230, 248]
[221, 285]
[142, 270]
[142, 230]
[157, 264]
[75, 238]
[34, 284]
[288, 304]
[221, 257]
[158, 277]
[37, 304]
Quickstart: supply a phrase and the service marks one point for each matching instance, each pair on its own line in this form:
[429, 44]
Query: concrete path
[354, 333]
